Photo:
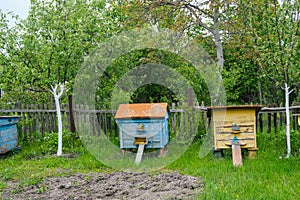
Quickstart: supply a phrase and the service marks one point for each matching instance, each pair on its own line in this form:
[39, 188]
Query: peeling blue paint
[8, 133]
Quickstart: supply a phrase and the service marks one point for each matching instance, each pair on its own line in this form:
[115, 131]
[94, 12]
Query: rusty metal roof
[142, 110]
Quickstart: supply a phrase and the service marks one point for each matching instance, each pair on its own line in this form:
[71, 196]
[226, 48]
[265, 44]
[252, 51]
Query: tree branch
[200, 23]
[199, 9]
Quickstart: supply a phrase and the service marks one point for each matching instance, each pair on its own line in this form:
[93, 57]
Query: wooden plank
[42, 125]
[237, 155]
[249, 144]
[104, 123]
[37, 123]
[51, 121]
[93, 124]
[82, 119]
[239, 136]
[248, 129]
[71, 114]
[24, 119]
[99, 128]
[260, 119]
[173, 122]
[109, 119]
[294, 119]
[87, 120]
[275, 122]
[76, 119]
[139, 154]
[280, 119]
[269, 122]
[116, 128]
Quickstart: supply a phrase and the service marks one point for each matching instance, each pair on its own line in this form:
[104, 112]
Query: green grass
[266, 177]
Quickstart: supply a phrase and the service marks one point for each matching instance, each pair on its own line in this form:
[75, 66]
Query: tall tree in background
[46, 50]
[184, 14]
[277, 46]
[48, 47]
[198, 19]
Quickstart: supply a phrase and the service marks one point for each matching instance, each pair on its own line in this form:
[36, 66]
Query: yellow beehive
[230, 121]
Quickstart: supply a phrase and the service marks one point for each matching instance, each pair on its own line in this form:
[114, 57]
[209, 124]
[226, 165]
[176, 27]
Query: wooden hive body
[140, 123]
[230, 121]
[8, 133]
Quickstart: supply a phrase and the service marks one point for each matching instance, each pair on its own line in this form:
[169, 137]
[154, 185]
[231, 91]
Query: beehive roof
[253, 107]
[256, 107]
[142, 110]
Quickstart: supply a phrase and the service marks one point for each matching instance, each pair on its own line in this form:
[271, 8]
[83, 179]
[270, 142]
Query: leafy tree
[241, 75]
[48, 47]
[149, 92]
[277, 45]
[206, 21]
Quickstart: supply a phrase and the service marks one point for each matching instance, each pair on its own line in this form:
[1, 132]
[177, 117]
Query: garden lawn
[266, 177]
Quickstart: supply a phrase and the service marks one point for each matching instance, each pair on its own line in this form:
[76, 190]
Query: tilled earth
[117, 185]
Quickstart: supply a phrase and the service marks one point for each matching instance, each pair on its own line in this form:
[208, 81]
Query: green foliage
[275, 143]
[49, 142]
[2, 187]
[153, 93]
[49, 46]
[145, 59]
[261, 47]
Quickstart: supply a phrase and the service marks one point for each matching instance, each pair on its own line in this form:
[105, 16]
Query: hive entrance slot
[140, 140]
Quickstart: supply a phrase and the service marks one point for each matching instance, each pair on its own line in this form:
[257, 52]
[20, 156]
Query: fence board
[38, 119]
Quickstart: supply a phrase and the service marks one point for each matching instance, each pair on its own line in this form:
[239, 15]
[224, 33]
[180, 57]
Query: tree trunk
[59, 119]
[219, 46]
[287, 126]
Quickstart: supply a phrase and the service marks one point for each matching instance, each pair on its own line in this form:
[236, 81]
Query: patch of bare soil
[118, 185]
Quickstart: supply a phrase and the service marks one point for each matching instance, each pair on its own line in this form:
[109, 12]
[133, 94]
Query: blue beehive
[8, 133]
[144, 123]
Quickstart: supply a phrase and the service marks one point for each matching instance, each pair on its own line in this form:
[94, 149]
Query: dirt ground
[118, 185]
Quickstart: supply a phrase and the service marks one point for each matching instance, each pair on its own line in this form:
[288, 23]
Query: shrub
[276, 142]
[49, 142]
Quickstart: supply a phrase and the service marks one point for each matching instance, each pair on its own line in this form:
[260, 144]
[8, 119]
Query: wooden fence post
[71, 114]
[269, 122]
[173, 119]
[261, 126]
[87, 120]
[190, 97]
[275, 122]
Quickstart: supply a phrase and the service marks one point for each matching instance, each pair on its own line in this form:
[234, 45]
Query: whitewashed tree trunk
[287, 126]
[59, 119]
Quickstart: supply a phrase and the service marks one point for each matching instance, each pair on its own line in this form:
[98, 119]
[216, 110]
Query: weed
[43, 188]
[6, 174]
[31, 181]
[2, 185]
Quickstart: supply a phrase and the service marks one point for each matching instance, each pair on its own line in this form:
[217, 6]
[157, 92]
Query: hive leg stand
[123, 151]
[161, 152]
[219, 153]
[252, 153]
